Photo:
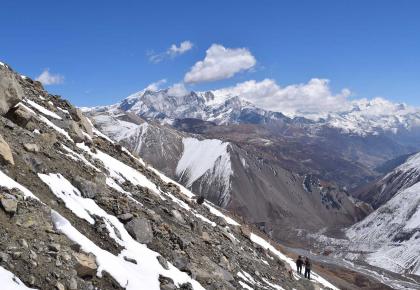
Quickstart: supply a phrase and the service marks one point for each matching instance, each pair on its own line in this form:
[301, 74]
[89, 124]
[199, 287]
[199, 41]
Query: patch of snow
[246, 277]
[277, 287]
[8, 281]
[245, 286]
[9, 183]
[218, 213]
[42, 109]
[78, 157]
[64, 111]
[120, 171]
[204, 219]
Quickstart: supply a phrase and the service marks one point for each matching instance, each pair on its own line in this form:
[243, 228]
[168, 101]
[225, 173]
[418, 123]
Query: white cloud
[47, 78]
[172, 51]
[181, 49]
[220, 63]
[177, 90]
[312, 97]
[156, 85]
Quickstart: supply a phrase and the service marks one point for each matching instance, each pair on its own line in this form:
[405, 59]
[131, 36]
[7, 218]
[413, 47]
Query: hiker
[299, 264]
[308, 266]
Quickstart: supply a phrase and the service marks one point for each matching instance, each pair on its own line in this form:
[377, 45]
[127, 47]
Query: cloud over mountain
[220, 63]
[314, 96]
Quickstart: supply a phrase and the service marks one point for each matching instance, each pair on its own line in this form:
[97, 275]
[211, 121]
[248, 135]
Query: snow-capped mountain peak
[361, 117]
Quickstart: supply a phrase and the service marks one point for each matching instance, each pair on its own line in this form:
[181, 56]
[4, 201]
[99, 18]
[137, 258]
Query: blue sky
[102, 49]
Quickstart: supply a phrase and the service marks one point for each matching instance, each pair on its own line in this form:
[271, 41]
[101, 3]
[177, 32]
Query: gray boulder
[85, 264]
[20, 115]
[75, 132]
[11, 92]
[6, 156]
[140, 229]
[78, 116]
[9, 204]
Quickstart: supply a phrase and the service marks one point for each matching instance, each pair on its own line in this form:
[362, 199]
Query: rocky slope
[276, 200]
[78, 211]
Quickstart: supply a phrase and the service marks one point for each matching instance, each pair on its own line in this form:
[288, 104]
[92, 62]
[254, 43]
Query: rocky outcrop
[21, 116]
[9, 204]
[11, 92]
[78, 116]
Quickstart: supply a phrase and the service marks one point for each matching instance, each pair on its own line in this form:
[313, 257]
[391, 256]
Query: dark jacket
[308, 264]
[299, 262]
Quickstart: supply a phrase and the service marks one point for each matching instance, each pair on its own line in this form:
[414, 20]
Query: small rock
[178, 216]
[205, 237]
[224, 263]
[66, 257]
[86, 265]
[33, 255]
[163, 262]
[59, 286]
[31, 147]
[31, 280]
[140, 229]
[23, 243]
[130, 260]
[54, 247]
[72, 284]
[245, 231]
[9, 205]
[182, 263]
[87, 188]
[16, 255]
[125, 217]
[48, 138]
[4, 257]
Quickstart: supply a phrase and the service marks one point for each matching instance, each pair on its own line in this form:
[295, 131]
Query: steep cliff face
[79, 211]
